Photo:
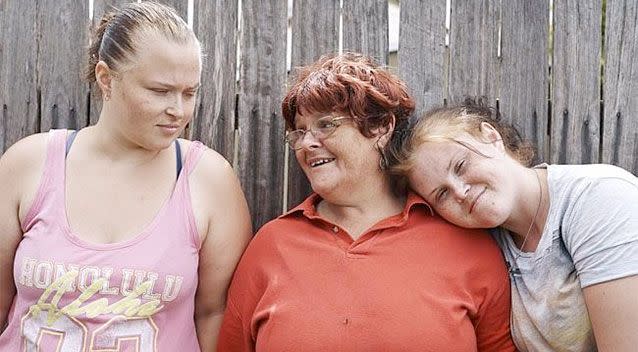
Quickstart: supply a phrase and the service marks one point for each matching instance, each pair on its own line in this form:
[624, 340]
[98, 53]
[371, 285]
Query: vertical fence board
[18, 76]
[576, 82]
[214, 123]
[422, 51]
[262, 80]
[365, 28]
[524, 70]
[64, 94]
[315, 32]
[100, 7]
[620, 127]
[473, 50]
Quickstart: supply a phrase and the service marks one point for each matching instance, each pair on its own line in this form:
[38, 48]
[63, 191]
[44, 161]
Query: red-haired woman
[361, 265]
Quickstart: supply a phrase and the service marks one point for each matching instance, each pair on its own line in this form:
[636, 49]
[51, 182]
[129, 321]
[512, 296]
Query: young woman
[121, 236]
[569, 233]
[361, 265]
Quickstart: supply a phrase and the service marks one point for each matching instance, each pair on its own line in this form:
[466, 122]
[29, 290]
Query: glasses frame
[302, 132]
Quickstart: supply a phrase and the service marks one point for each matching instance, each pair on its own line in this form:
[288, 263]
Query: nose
[308, 143]
[460, 191]
[176, 107]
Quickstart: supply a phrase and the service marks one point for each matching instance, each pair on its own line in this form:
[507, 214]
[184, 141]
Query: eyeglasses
[320, 129]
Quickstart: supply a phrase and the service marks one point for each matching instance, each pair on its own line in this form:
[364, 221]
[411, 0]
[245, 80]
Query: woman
[569, 233]
[122, 236]
[360, 265]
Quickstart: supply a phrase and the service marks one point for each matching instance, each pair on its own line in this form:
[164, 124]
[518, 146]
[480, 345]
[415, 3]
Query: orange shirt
[413, 282]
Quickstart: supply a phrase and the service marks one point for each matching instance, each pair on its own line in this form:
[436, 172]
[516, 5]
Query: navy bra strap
[69, 140]
[178, 157]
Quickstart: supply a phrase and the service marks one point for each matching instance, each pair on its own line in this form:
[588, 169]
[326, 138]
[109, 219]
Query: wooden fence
[568, 81]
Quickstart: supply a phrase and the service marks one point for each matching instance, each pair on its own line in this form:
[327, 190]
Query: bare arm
[226, 235]
[20, 168]
[613, 311]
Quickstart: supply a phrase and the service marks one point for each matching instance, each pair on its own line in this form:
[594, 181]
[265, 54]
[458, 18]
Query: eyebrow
[168, 85]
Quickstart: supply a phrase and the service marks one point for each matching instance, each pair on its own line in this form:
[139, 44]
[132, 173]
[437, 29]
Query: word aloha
[131, 305]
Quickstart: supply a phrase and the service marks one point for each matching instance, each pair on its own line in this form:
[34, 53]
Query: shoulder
[210, 163]
[22, 164]
[585, 175]
[27, 151]
[211, 172]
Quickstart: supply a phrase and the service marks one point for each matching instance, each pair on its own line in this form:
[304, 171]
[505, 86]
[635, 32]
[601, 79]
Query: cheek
[450, 212]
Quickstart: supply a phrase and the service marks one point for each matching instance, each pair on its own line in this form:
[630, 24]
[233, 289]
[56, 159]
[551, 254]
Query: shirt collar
[308, 207]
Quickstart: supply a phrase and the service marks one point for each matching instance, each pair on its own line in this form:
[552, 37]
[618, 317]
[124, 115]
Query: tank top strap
[51, 186]
[181, 202]
[193, 155]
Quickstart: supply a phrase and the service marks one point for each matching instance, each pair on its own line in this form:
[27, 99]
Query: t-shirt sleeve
[600, 230]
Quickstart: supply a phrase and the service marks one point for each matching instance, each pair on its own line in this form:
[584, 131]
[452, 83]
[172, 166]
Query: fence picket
[261, 131]
[315, 32]
[473, 50]
[576, 72]
[65, 95]
[523, 70]
[365, 28]
[18, 75]
[422, 52]
[214, 123]
[620, 128]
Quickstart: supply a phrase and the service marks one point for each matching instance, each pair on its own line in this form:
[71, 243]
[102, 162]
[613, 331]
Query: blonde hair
[449, 123]
[114, 40]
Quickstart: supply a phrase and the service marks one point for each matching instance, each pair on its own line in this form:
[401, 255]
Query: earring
[107, 96]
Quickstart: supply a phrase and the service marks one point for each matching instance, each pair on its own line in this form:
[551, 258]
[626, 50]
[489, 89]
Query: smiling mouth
[476, 199]
[321, 162]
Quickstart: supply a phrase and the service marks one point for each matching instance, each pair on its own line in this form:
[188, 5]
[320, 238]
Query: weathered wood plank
[473, 50]
[620, 124]
[315, 32]
[214, 123]
[422, 52]
[261, 127]
[576, 82]
[18, 75]
[64, 36]
[524, 70]
[365, 28]
[100, 7]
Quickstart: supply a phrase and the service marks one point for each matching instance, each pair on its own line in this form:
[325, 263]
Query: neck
[527, 221]
[357, 210]
[107, 141]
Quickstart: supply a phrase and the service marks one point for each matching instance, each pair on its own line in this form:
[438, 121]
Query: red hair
[351, 84]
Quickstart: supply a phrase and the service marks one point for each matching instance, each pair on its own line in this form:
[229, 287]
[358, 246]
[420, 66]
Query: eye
[159, 90]
[190, 93]
[441, 194]
[460, 166]
[325, 124]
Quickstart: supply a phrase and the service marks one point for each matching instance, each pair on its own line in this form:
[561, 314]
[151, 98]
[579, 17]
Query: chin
[322, 187]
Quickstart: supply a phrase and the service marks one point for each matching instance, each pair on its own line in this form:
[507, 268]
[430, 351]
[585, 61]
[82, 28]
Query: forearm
[207, 328]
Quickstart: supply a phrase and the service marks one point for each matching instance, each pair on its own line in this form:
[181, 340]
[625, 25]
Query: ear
[384, 134]
[491, 135]
[104, 78]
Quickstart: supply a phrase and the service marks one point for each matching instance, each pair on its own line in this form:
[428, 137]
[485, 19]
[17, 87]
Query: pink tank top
[136, 295]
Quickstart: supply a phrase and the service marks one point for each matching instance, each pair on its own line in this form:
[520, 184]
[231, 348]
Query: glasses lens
[293, 138]
[324, 127]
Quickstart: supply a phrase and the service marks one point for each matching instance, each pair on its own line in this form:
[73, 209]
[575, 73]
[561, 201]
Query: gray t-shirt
[591, 236]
